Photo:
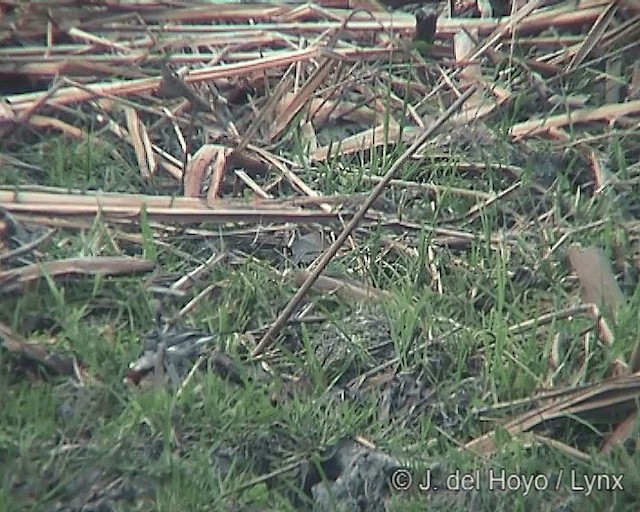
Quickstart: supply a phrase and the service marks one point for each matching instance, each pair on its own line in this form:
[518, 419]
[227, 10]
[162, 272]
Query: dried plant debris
[19, 241]
[202, 161]
[599, 285]
[33, 357]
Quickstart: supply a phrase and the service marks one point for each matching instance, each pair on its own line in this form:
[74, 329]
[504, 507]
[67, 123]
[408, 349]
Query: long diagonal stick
[331, 251]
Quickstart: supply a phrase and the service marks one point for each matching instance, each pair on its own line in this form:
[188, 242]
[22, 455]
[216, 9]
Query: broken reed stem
[283, 317]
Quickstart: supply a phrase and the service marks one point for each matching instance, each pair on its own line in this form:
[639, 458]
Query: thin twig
[24, 249]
